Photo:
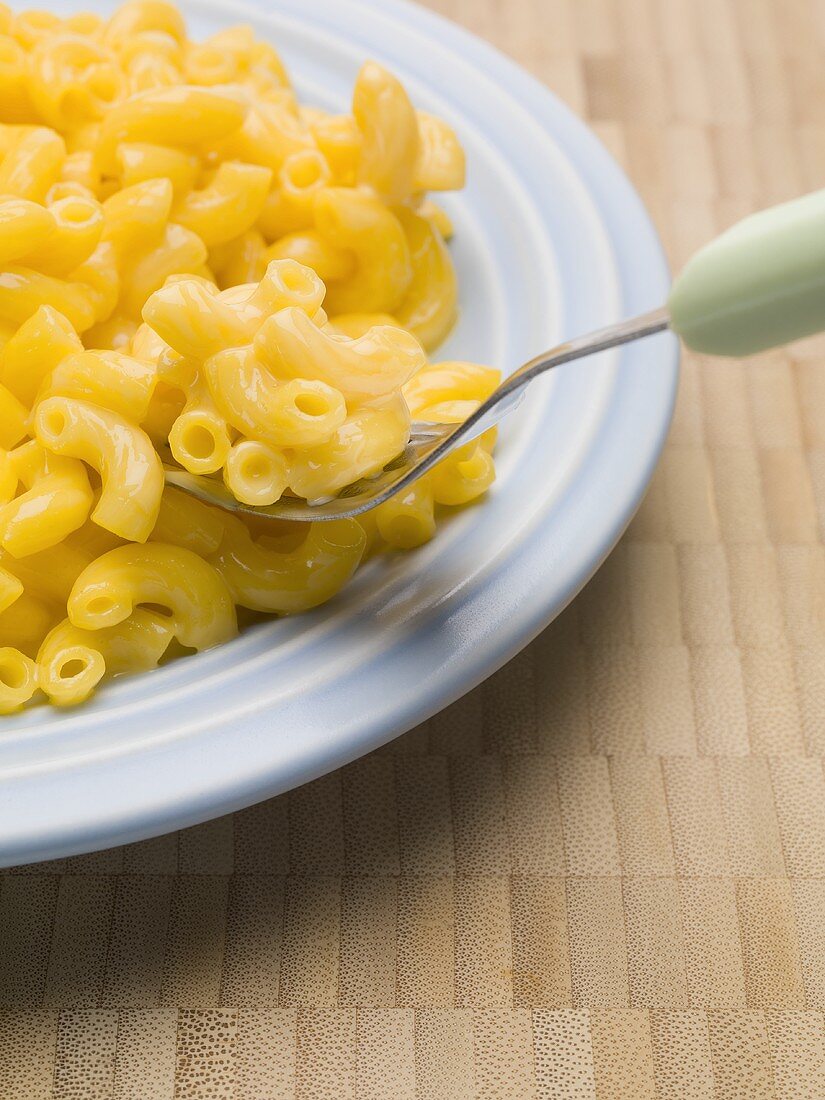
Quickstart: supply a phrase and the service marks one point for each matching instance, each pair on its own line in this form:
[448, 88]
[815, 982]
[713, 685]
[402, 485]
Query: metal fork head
[427, 446]
[352, 500]
[429, 443]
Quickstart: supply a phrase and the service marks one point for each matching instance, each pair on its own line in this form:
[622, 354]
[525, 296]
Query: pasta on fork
[193, 262]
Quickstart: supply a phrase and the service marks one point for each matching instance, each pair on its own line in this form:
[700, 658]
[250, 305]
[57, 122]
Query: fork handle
[758, 285]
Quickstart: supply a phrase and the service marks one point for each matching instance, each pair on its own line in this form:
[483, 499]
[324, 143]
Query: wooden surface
[603, 873]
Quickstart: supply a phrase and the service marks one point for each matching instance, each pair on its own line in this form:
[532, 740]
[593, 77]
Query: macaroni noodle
[193, 263]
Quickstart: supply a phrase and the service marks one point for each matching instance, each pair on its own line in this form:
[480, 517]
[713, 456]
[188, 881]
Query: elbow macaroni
[192, 262]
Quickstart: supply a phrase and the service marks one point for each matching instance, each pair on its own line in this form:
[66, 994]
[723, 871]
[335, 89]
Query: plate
[551, 241]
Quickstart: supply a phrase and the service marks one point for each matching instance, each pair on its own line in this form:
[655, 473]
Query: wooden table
[602, 874]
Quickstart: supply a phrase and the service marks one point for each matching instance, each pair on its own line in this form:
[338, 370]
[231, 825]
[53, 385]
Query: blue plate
[551, 240]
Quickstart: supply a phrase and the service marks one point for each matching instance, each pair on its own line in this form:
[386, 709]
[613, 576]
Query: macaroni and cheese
[192, 263]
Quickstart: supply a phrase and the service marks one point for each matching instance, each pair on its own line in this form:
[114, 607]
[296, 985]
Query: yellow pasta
[77, 176]
[194, 267]
[107, 591]
[100, 279]
[408, 520]
[310, 249]
[15, 105]
[429, 307]
[123, 455]
[289, 207]
[179, 250]
[464, 475]
[13, 418]
[440, 164]
[197, 321]
[26, 622]
[371, 436]
[228, 206]
[138, 162]
[31, 162]
[24, 290]
[299, 413]
[378, 362]
[137, 16]
[11, 588]
[241, 261]
[77, 227]
[55, 501]
[256, 473]
[269, 133]
[362, 225]
[439, 384]
[110, 379]
[24, 225]
[289, 581]
[72, 80]
[180, 115]
[187, 522]
[199, 438]
[339, 139]
[47, 575]
[389, 132]
[135, 217]
[18, 679]
[73, 661]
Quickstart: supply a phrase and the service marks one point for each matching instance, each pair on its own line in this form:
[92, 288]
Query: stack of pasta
[192, 261]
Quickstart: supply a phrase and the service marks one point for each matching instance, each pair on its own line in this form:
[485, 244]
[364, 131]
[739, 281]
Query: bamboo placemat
[602, 874]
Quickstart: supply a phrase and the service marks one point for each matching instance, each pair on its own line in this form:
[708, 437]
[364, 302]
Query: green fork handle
[758, 285]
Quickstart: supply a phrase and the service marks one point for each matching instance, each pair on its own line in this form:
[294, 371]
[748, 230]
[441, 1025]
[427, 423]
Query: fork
[757, 286]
